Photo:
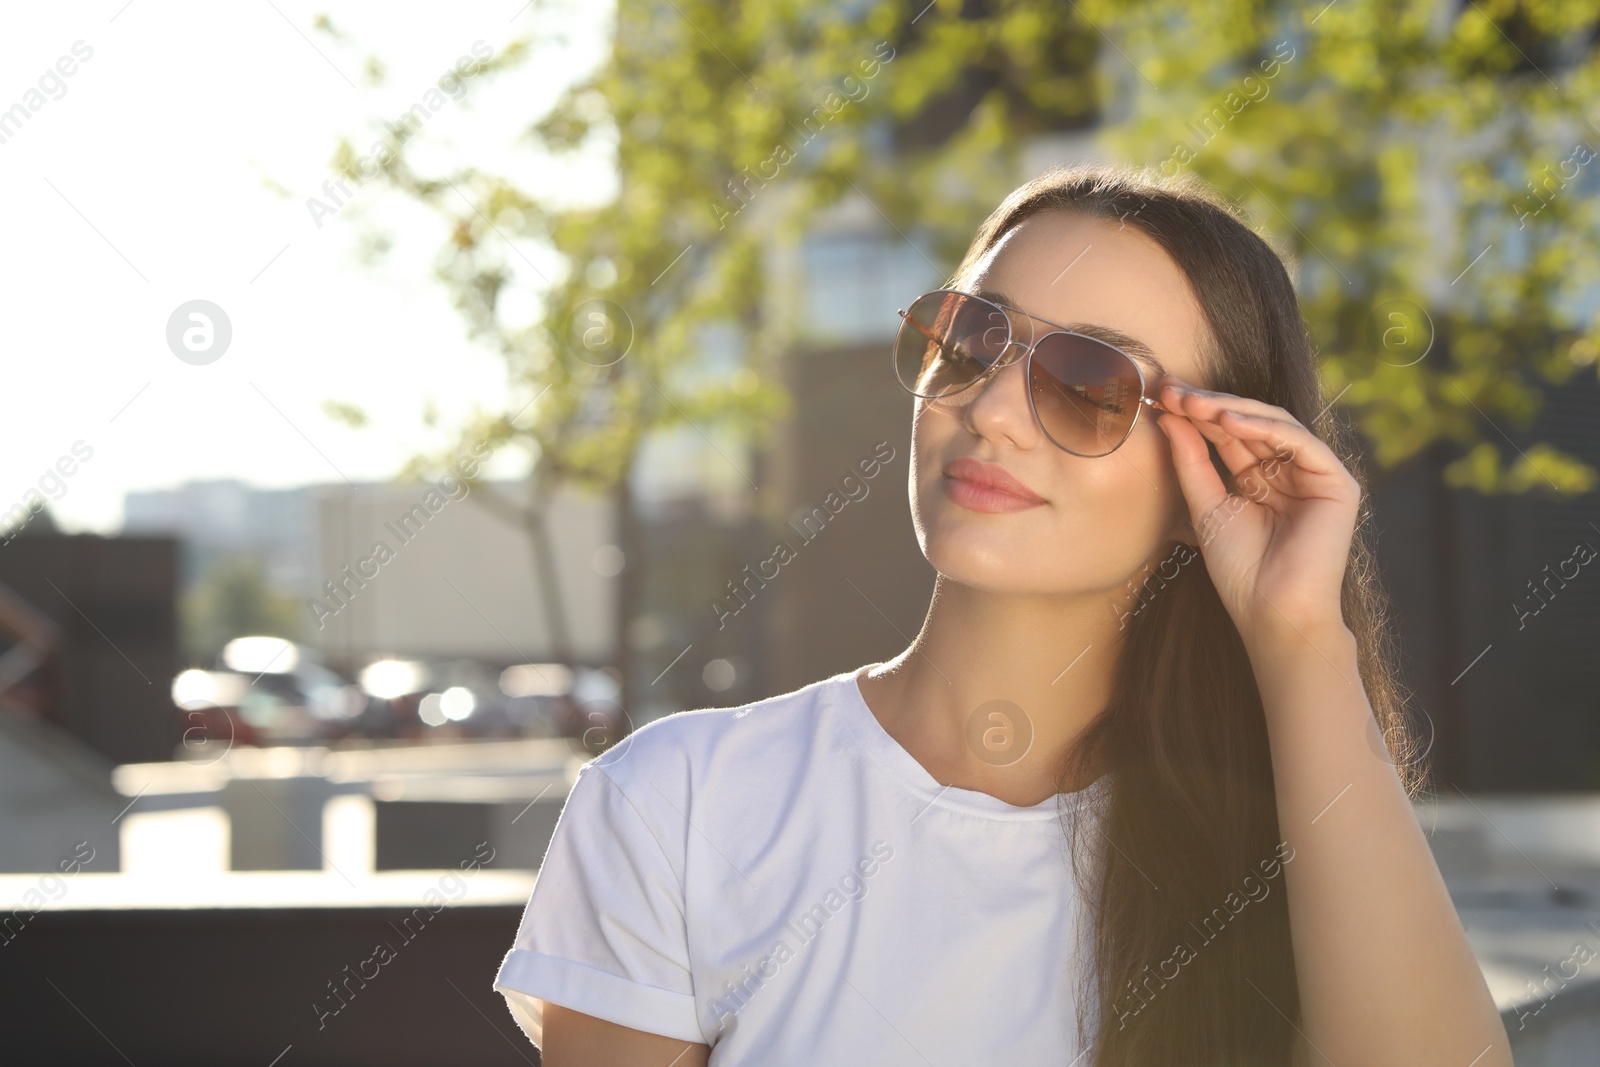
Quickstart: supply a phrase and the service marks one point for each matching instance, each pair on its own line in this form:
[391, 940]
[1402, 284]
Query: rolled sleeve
[604, 932]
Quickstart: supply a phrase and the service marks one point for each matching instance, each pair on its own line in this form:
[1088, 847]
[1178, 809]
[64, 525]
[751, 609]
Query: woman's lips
[986, 487]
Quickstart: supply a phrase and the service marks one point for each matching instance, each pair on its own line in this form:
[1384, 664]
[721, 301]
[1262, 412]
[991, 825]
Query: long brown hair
[1182, 876]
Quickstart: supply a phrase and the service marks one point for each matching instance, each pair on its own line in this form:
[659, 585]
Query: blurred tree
[233, 598]
[1430, 169]
[1423, 166]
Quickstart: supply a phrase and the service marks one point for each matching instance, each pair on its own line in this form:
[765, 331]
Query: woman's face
[1097, 521]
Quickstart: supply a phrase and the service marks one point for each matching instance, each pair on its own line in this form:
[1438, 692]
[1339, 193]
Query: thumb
[1197, 475]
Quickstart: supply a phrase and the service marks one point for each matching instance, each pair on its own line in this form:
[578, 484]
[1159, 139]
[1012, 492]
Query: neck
[995, 690]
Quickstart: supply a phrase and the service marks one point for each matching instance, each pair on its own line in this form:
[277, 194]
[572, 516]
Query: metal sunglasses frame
[1000, 363]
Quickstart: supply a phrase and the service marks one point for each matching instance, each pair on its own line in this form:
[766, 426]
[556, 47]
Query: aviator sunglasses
[1085, 394]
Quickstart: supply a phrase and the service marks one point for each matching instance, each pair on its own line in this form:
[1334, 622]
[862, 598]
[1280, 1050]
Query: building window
[855, 281]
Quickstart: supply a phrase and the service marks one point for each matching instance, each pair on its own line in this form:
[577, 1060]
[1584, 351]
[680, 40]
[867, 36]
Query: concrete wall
[55, 794]
[226, 986]
[460, 581]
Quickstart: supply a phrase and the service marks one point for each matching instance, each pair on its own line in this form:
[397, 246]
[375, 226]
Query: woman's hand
[1276, 551]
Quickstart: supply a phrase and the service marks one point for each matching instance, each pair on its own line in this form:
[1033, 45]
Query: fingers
[1264, 430]
[1172, 385]
[1283, 441]
[1237, 453]
[1251, 473]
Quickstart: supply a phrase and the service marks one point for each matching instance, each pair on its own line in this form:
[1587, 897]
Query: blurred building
[88, 647]
[453, 579]
[220, 518]
[88, 628]
[404, 570]
[1498, 617]
[859, 586]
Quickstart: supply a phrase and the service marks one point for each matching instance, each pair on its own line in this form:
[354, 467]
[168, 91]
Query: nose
[1001, 407]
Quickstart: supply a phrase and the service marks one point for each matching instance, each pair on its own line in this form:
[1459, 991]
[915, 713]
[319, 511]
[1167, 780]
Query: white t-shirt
[784, 882]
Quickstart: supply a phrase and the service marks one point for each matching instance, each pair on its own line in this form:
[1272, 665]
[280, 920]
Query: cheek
[1116, 510]
[1153, 501]
[931, 430]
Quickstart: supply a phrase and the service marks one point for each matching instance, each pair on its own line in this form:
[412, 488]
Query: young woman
[1127, 798]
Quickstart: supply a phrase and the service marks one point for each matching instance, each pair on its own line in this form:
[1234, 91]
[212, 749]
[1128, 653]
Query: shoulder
[671, 753]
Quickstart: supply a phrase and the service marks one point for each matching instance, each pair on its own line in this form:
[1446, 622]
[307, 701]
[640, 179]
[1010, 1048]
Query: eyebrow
[1128, 343]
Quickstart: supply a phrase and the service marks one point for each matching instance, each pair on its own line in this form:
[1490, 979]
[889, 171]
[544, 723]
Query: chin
[969, 549]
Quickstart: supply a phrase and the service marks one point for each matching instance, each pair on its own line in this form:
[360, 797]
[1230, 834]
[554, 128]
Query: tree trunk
[546, 571]
[630, 587]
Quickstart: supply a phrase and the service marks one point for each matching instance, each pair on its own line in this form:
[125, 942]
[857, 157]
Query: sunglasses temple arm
[919, 328]
[932, 340]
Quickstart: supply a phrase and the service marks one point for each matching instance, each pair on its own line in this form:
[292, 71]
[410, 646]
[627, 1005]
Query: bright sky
[174, 164]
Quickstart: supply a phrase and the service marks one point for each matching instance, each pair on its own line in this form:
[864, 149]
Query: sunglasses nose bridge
[978, 392]
[1003, 360]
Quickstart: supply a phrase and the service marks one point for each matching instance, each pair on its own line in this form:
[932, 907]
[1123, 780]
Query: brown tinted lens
[1085, 391]
[946, 342]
